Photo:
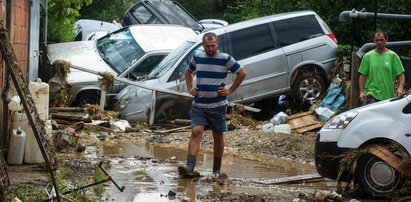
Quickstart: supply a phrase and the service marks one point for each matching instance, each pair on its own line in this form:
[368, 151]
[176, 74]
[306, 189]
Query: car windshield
[167, 63]
[176, 14]
[119, 50]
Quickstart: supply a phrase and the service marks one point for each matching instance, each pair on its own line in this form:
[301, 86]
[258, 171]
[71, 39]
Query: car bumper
[327, 158]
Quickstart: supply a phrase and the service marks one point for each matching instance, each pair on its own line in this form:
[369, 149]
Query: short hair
[209, 36]
[380, 31]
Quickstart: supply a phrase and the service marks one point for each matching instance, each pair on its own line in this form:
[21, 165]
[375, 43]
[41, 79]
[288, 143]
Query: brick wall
[20, 32]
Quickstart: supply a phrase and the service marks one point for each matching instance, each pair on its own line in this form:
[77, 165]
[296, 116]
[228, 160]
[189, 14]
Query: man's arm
[401, 82]
[241, 74]
[189, 82]
[361, 81]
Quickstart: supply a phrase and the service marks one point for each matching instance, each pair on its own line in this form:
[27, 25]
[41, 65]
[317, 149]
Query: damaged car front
[129, 53]
[342, 150]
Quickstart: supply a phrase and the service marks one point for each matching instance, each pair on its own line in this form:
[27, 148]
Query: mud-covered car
[284, 53]
[130, 52]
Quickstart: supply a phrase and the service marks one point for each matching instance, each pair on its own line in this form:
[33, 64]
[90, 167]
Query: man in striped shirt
[209, 106]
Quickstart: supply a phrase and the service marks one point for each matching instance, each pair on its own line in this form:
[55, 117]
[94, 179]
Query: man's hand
[224, 91]
[399, 91]
[363, 97]
[193, 92]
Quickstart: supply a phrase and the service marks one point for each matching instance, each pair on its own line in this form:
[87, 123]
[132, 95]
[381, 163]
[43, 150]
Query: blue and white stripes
[211, 72]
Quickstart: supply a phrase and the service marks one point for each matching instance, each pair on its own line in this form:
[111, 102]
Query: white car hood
[79, 53]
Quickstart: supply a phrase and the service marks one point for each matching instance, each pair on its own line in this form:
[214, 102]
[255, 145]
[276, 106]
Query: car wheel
[308, 87]
[86, 98]
[377, 178]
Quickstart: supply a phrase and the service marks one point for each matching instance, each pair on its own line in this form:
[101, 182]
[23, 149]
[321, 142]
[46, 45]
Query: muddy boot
[189, 168]
[216, 166]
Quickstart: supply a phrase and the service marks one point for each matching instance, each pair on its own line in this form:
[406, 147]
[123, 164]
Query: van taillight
[332, 36]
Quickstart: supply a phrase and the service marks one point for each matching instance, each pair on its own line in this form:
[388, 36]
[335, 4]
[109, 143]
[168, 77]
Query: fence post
[354, 97]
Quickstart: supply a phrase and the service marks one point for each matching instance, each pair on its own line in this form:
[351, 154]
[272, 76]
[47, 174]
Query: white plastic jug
[32, 152]
[16, 147]
[40, 93]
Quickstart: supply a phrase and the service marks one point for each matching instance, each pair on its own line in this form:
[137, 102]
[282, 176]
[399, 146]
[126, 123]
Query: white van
[384, 123]
[130, 52]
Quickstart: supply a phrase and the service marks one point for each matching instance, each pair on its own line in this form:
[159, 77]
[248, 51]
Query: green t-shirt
[381, 71]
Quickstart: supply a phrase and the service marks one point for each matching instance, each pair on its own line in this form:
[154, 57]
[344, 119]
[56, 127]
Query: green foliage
[344, 51]
[62, 14]
[106, 10]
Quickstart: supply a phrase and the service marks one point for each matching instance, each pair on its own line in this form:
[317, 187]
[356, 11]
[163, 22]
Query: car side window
[294, 30]
[144, 16]
[146, 66]
[251, 41]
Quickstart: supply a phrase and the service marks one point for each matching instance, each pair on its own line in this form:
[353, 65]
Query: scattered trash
[268, 127]
[333, 101]
[279, 118]
[282, 128]
[14, 104]
[171, 193]
[303, 122]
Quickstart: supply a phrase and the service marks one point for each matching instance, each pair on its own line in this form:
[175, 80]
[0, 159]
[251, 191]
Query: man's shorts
[211, 118]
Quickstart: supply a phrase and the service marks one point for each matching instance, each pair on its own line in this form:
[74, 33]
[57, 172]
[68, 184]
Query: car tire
[308, 87]
[86, 98]
[377, 178]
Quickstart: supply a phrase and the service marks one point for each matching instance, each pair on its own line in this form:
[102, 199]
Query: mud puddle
[149, 173]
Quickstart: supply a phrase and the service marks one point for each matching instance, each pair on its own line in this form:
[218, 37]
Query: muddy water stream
[149, 172]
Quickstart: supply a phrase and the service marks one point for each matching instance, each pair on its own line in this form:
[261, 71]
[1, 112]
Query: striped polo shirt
[211, 73]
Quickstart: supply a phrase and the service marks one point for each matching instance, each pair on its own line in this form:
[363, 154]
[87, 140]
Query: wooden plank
[303, 121]
[290, 180]
[66, 109]
[173, 130]
[293, 116]
[309, 128]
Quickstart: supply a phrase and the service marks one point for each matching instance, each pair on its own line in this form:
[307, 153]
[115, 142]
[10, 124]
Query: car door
[256, 49]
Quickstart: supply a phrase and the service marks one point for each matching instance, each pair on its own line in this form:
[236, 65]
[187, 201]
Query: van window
[251, 41]
[293, 30]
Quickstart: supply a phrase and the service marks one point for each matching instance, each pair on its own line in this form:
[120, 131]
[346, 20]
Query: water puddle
[148, 173]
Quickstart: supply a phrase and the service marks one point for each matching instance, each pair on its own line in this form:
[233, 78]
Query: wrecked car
[167, 12]
[371, 130]
[86, 29]
[130, 52]
[283, 53]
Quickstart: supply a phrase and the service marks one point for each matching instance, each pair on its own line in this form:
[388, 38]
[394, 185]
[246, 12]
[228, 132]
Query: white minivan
[130, 52]
[384, 124]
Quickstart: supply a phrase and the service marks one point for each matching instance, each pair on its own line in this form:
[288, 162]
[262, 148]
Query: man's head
[380, 38]
[210, 43]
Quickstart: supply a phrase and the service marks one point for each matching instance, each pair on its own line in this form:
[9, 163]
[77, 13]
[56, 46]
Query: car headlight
[341, 121]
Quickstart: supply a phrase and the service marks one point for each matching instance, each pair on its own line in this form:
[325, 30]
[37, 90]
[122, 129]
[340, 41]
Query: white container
[32, 154]
[40, 93]
[16, 148]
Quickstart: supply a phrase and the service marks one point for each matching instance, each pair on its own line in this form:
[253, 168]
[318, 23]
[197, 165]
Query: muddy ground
[268, 144]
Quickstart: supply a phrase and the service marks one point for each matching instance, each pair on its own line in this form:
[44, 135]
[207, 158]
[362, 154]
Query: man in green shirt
[378, 70]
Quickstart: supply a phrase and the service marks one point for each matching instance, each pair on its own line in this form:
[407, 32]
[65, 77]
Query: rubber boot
[189, 168]
[217, 165]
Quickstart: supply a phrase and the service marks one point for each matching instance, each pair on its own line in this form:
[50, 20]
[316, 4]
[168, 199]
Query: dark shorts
[370, 99]
[211, 118]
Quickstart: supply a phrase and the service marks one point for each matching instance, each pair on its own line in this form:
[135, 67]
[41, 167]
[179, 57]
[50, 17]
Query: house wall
[15, 16]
